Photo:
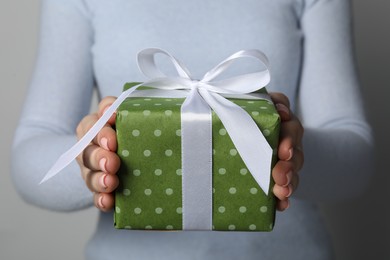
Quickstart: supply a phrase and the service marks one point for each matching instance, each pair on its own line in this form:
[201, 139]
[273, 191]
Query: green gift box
[149, 195]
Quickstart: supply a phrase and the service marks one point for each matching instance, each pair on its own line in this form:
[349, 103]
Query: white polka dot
[178, 132]
[157, 132]
[214, 151]
[118, 210]
[148, 192]
[243, 171]
[222, 131]
[233, 152]
[135, 132]
[148, 227]
[231, 227]
[157, 104]
[222, 171]
[271, 226]
[243, 106]
[255, 113]
[179, 210]
[126, 192]
[213, 190]
[168, 152]
[232, 190]
[136, 105]
[124, 113]
[178, 104]
[147, 99]
[125, 153]
[263, 108]
[253, 191]
[168, 112]
[136, 172]
[146, 112]
[221, 209]
[168, 99]
[158, 210]
[169, 191]
[137, 211]
[179, 172]
[251, 102]
[263, 209]
[147, 153]
[127, 227]
[169, 227]
[266, 132]
[252, 227]
[242, 209]
[158, 172]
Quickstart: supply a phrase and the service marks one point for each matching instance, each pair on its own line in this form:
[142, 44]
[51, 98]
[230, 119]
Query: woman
[87, 43]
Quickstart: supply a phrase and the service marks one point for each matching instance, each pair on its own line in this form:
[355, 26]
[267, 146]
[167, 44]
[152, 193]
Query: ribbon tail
[66, 158]
[251, 145]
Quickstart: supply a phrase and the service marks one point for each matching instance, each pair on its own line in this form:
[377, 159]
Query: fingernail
[104, 143]
[102, 164]
[282, 108]
[100, 202]
[102, 181]
[288, 204]
[290, 191]
[291, 153]
[289, 177]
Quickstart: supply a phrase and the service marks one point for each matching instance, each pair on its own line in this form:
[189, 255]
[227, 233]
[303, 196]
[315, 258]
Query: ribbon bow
[202, 96]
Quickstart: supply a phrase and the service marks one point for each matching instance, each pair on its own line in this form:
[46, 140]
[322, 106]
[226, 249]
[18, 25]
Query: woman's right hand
[99, 162]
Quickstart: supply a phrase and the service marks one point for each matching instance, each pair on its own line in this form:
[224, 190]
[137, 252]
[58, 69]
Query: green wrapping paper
[149, 144]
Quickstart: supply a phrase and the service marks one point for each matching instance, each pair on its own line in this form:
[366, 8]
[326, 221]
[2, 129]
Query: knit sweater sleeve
[58, 96]
[337, 142]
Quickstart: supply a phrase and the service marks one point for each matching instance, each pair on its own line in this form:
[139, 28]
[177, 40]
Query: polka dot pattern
[150, 196]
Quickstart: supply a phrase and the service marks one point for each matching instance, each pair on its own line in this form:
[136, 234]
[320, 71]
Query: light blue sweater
[88, 43]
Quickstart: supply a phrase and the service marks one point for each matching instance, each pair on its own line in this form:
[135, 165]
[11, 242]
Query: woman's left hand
[290, 153]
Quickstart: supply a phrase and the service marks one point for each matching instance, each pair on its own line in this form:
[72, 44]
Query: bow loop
[147, 64]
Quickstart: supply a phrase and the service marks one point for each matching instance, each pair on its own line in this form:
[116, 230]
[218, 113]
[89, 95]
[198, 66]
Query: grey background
[360, 227]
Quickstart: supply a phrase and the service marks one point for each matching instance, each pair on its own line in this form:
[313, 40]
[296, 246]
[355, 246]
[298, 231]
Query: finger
[278, 97]
[282, 105]
[101, 182]
[106, 138]
[283, 172]
[294, 155]
[282, 205]
[104, 201]
[98, 159]
[291, 133]
[283, 111]
[282, 193]
[85, 124]
[104, 104]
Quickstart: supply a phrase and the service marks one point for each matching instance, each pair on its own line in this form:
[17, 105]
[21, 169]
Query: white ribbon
[202, 96]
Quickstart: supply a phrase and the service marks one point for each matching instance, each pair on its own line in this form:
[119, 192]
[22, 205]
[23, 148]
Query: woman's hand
[290, 153]
[99, 162]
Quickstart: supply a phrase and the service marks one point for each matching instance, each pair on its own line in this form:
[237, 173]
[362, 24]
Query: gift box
[195, 154]
[150, 192]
